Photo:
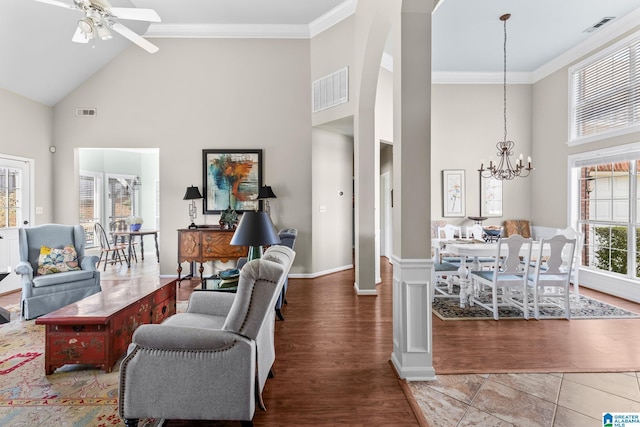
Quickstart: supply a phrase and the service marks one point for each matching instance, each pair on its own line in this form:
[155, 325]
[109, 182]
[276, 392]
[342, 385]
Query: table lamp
[265, 193]
[255, 229]
[192, 194]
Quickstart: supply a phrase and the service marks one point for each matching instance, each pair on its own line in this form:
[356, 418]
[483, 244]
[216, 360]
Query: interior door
[15, 212]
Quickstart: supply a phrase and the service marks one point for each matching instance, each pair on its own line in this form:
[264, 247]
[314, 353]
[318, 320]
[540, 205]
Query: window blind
[606, 92]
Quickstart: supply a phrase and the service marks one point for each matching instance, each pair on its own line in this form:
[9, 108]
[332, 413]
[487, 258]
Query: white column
[412, 263]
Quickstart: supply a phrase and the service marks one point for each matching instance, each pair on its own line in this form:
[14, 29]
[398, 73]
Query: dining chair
[571, 233]
[112, 251]
[475, 232]
[508, 274]
[449, 232]
[552, 274]
[442, 279]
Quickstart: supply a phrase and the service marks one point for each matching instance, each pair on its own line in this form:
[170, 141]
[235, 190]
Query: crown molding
[334, 16]
[450, 77]
[601, 37]
[228, 31]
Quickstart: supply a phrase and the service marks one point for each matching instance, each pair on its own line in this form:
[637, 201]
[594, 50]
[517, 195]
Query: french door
[15, 212]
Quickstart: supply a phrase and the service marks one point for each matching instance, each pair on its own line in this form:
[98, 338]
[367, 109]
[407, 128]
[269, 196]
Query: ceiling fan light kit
[100, 18]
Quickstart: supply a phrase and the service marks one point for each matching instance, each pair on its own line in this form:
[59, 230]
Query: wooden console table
[97, 330]
[206, 244]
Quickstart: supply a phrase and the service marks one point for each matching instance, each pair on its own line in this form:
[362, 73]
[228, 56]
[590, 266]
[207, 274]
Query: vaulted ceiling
[39, 60]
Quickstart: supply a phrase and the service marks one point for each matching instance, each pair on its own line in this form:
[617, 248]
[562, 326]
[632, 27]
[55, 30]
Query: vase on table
[135, 227]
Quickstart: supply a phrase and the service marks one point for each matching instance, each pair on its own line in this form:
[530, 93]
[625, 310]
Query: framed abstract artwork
[232, 178]
[490, 197]
[453, 193]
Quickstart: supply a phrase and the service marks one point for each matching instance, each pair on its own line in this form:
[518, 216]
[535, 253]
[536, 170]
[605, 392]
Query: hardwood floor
[333, 350]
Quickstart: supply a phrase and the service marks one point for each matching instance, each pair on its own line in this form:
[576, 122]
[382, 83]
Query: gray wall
[192, 95]
[26, 131]
[467, 122]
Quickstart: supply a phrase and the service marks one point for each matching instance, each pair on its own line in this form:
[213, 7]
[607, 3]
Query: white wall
[197, 94]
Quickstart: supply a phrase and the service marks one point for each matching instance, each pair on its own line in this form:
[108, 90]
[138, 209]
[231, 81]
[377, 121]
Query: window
[90, 197]
[10, 195]
[605, 91]
[122, 199]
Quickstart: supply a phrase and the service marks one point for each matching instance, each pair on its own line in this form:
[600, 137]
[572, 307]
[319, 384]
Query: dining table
[471, 249]
[129, 235]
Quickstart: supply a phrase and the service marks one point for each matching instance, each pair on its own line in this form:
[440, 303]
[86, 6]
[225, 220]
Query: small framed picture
[453, 193]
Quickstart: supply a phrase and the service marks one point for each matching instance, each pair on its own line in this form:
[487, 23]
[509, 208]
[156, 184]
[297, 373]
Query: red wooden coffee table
[98, 329]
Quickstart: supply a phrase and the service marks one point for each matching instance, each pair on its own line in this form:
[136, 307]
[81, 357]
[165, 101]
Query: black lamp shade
[255, 229]
[192, 193]
[266, 192]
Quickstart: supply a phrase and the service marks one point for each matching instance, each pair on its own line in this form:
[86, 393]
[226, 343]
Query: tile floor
[526, 400]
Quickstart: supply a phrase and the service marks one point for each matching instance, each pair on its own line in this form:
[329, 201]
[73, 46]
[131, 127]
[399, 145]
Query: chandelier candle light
[503, 168]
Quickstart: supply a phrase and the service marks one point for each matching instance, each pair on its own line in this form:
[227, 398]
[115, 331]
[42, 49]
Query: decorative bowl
[493, 231]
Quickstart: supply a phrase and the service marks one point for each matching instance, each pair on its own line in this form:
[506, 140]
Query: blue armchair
[44, 293]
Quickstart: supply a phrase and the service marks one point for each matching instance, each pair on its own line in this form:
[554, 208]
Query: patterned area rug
[75, 395]
[582, 307]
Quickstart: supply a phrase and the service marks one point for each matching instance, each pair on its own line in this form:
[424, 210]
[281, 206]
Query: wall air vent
[86, 112]
[331, 90]
[599, 24]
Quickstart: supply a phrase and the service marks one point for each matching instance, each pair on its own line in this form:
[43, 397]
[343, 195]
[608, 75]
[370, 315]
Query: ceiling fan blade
[126, 32]
[80, 37]
[149, 15]
[58, 3]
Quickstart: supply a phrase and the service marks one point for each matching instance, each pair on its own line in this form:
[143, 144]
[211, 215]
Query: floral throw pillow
[52, 260]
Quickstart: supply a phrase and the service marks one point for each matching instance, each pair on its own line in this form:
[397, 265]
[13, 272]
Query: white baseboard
[319, 273]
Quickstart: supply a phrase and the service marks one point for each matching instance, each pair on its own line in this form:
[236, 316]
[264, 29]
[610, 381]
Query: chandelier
[504, 168]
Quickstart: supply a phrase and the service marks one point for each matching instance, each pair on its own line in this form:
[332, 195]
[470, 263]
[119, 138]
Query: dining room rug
[75, 395]
[582, 307]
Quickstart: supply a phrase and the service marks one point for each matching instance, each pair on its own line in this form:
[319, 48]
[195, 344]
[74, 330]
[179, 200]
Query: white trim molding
[412, 355]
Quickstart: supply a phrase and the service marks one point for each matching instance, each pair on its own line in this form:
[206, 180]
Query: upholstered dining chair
[509, 273]
[552, 274]
[517, 226]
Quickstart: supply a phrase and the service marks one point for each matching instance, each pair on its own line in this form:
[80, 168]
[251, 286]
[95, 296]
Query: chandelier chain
[504, 84]
[505, 168]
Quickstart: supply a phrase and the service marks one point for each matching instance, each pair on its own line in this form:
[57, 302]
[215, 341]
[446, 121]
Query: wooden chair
[112, 252]
[508, 274]
[552, 274]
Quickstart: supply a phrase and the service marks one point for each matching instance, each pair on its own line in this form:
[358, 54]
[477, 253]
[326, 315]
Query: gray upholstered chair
[287, 238]
[44, 293]
[212, 362]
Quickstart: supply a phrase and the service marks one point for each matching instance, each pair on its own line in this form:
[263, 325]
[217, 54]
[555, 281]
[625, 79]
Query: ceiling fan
[100, 18]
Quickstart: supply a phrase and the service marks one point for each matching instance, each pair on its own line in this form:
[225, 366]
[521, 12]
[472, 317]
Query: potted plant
[134, 222]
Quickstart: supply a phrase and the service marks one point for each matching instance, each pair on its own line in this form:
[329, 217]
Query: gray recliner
[287, 238]
[42, 294]
[212, 362]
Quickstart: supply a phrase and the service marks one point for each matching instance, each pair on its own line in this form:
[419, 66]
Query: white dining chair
[551, 275]
[442, 279]
[449, 232]
[571, 233]
[508, 274]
